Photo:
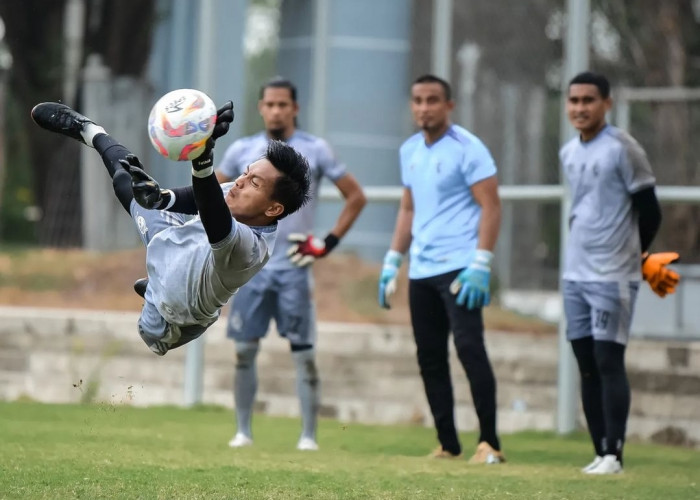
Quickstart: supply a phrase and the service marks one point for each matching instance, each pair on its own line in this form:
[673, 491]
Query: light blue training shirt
[191, 279]
[318, 153]
[603, 173]
[446, 215]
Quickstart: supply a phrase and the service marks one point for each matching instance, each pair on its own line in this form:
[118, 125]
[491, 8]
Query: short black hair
[590, 78]
[292, 187]
[279, 83]
[428, 78]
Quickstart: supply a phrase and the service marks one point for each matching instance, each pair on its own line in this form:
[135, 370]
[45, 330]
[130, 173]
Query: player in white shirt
[613, 220]
[196, 265]
[283, 290]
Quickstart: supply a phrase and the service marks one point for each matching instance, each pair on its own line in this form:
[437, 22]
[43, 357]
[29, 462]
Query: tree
[120, 30]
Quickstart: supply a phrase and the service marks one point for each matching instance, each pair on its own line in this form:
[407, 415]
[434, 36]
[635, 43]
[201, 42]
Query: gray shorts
[600, 309]
[282, 295]
[148, 224]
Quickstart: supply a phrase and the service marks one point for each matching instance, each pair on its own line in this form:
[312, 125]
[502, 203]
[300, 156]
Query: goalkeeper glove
[662, 280]
[387, 280]
[147, 191]
[203, 165]
[306, 249]
[472, 284]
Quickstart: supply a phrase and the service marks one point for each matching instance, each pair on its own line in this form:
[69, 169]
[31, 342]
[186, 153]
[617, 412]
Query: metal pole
[575, 60]
[441, 60]
[319, 68]
[194, 357]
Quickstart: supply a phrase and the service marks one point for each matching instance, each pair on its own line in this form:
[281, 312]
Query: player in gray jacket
[194, 265]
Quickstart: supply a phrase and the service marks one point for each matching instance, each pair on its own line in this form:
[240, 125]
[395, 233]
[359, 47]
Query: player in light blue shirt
[450, 216]
[283, 290]
[194, 265]
[613, 219]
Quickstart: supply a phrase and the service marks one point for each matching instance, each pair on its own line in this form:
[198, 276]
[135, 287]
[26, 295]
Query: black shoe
[140, 287]
[61, 119]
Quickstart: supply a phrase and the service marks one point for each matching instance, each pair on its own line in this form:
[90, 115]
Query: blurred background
[353, 63]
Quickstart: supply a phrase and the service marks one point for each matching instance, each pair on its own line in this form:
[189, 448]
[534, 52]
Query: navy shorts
[601, 309]
[283, 295]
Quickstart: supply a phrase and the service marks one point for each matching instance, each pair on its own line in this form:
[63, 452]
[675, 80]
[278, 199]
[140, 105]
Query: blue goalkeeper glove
[472, 284]
[387, 280]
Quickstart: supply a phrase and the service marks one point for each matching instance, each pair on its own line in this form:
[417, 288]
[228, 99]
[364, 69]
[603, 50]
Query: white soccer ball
[180, 124]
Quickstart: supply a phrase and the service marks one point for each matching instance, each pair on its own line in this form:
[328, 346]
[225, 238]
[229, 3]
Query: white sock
[90, 131]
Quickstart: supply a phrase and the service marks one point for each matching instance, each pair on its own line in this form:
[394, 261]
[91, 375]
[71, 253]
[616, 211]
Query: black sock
[610, 357]
[110, 151]
[591, 392]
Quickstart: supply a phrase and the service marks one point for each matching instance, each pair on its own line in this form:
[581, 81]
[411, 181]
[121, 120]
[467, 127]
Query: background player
[449, 215]
[614, 218]
[283, 289]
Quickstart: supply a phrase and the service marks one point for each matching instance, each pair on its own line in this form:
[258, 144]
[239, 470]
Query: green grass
[104, 451]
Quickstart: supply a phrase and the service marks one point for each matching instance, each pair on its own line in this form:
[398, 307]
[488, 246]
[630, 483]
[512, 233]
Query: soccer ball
[180, 124]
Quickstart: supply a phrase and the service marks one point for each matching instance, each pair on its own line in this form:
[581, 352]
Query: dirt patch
[345, 287]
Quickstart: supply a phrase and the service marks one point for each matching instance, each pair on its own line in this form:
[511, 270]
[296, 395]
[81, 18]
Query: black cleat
[140, 287]
[61, 119]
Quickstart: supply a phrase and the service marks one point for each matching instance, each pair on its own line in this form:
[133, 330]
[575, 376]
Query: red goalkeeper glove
[306, 249]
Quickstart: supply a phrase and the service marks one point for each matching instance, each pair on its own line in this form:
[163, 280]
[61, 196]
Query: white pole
[441, 61]
[319, 68]
[194, 357]
[575, 61]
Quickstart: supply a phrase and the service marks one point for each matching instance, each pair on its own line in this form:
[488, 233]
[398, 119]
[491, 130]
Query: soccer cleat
[157, 346]
[140, 287]
[439, 452]
[240, 440]
[485, 454]
[593, 464]
[61, 119]
[307, 444]
[609, 464]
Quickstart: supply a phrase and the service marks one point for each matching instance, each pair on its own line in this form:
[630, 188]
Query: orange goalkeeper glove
[661, 280]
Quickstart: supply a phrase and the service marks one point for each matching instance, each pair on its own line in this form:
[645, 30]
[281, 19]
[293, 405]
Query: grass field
[104, 451]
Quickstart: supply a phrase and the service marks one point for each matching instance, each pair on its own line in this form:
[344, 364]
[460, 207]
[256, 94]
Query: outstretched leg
[61, 119]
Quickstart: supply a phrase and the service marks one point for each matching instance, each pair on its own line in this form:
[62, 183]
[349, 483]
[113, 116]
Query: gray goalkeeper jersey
[191, 279]
[603, 243]
[322, 163]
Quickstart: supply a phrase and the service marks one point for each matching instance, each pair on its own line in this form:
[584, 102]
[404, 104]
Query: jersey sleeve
[328, 163]
[634, 165]
[230, 164]
[477, 163]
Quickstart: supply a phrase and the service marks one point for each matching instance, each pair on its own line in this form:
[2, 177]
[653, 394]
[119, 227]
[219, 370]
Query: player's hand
[305, 249]
[662, 280]
[147, 191]
[224, 118]
[472, 284]
[387, 280]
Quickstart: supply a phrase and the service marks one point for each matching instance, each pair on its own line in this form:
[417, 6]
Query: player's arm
[400, 242]
[212, 208]
[485, 193]
[306, 248]
[646, 205]
[472, 285]
[148, 194]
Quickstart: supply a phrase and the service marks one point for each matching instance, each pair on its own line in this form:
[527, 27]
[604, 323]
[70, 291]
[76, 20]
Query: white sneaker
[307, 444]
[240, 440]
[593, 464]
[608, 465]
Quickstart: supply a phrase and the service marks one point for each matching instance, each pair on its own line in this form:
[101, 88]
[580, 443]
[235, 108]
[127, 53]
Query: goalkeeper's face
[250, 197]
[430, 107]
